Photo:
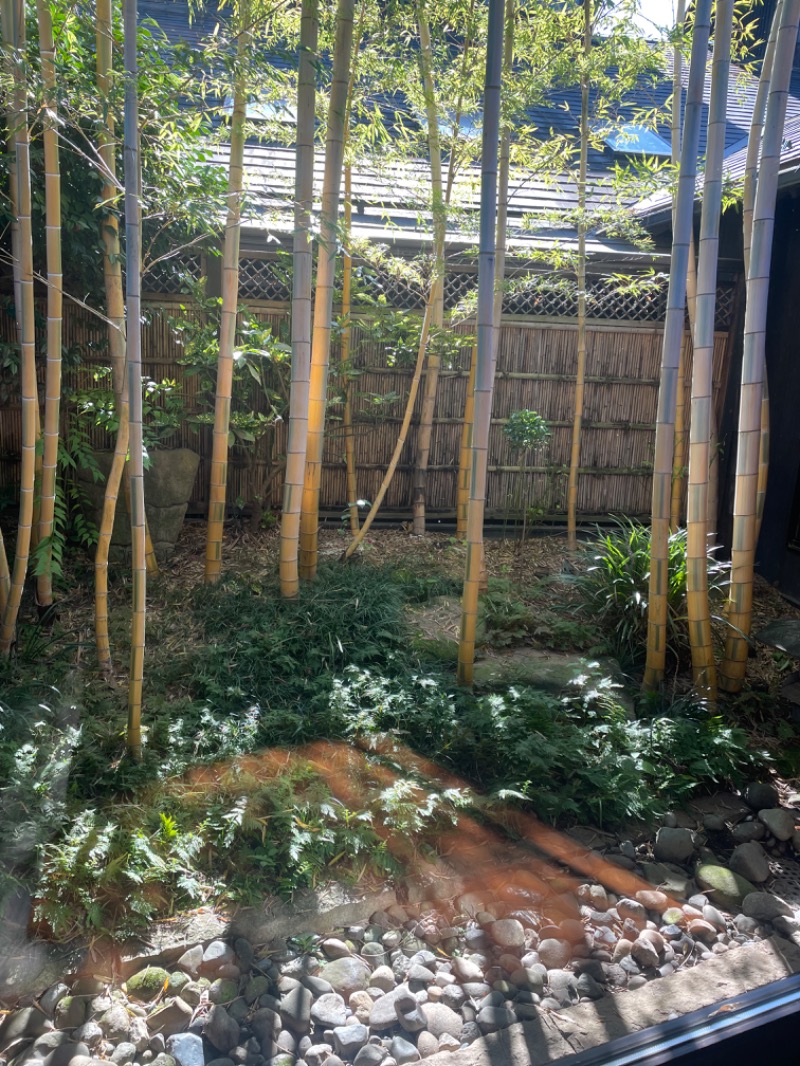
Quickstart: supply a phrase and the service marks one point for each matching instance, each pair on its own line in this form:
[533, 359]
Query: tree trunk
[698, 607]
[13, 22]
[670, 356]
[425, 428]
[54, 301]
[230, 303]
[323, 303]
[134, 348]
[484, 382]
[580, 374]
[301, 301]
[743, 547]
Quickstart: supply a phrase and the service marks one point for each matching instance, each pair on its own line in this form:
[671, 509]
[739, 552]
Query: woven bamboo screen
[535, 369]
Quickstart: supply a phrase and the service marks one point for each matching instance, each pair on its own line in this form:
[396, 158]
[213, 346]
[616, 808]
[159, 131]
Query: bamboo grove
[467, 73]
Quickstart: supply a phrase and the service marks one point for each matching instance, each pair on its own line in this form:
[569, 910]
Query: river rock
[779, 821]
[744, 832]
[349, 1039]
[673, 845]
[763, 907]
[441, 1019]
[750, 860]
[384, 1012]
[215, 956]
[402, 1051]
[25, 1024]
[147, 984]
[170, 1019]
[508, 933]
[295, 1009]
[191, 960]
[493, 1019]
[760, 795]
[346, 975]
[186, 1049]
[726, 888]
[221, 1030]
[329, 1011]
[554, 953]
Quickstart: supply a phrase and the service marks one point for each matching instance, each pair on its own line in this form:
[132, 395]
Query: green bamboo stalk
[698, 607]
[670, 355]
[323, 303]
[484, 382]
[302, 265]
[12, 14]
[743, 547]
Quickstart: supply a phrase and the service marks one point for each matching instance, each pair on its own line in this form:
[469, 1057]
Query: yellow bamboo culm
[580, 370]
[679, 449]
[739, 612]
[465, 451]
[54, 300]
[323, 303]
[302, 268]
[347, 417]
[115, 312]
[13, 28]
[702, 392]
[439, 211]
[663, 458]
[230, 299]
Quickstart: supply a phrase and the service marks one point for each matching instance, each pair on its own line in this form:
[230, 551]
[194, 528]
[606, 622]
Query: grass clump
[615, 588]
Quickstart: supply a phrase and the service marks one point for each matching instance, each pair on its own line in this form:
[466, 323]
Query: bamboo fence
[536, 364]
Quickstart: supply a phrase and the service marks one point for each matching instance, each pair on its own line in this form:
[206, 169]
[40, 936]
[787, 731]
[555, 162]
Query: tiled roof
[657, 207]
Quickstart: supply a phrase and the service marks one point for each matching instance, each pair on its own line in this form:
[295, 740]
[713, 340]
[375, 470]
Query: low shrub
[615, 588]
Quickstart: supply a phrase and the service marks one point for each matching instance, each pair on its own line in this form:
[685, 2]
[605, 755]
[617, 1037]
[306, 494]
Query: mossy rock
[146, 984]
[223, 990]
[177, 981]
[436, 649]
[726, 888]
[547, 671]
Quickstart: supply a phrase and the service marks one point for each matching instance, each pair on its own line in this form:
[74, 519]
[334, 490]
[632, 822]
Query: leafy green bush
[615, 588]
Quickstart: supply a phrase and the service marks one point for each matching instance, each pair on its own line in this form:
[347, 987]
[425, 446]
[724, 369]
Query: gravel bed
[429, 975]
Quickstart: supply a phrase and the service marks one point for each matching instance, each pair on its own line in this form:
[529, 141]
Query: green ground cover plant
[228, 804]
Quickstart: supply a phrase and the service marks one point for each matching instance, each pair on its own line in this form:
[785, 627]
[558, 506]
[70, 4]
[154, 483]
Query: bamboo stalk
[670, 356]
[756, 133]
[679, 450]
[401, 437]
[12, 13]
[302, 267]
[763, 458]
[698, 607]
[115, 312]
[54, 300]
[323, 303]
[580, 373]
[347, 416]
[217, 498]
[134, 350]
[439, 213]
[745, 516]
[465, 450]
[485, 361]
